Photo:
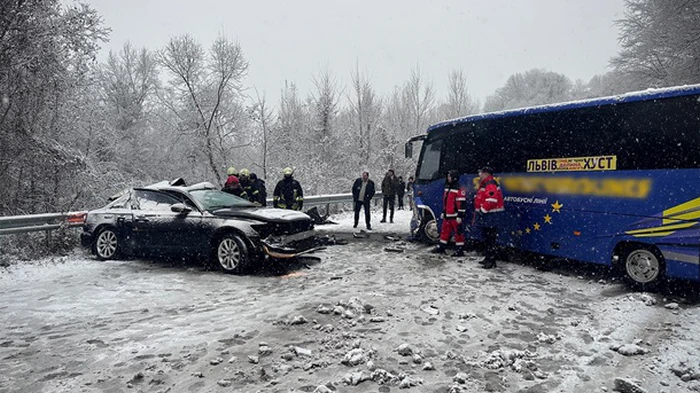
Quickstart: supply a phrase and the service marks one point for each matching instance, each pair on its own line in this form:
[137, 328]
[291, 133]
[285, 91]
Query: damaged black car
[173, 218]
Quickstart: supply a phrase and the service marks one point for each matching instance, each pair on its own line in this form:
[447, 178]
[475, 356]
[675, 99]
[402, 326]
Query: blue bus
[612, 181]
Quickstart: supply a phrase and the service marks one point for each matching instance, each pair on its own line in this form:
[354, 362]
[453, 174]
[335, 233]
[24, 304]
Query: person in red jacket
[454, 208]
[488, 209]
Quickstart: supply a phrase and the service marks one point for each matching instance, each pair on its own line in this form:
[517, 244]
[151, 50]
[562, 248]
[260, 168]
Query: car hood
[263, 214]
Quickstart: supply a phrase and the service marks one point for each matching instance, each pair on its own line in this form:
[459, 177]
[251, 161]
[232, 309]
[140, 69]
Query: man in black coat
[400, 190]
[260, 184]
[389, 186]
[250, 187]
[288, 193]
[362, 193]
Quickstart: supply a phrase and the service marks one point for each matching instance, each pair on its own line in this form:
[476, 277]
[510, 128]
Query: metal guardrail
[52, 221]
[40, 222]
[331, 199]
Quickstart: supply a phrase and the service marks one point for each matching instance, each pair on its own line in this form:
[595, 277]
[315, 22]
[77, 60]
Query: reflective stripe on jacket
[454, 200]
[489, 197]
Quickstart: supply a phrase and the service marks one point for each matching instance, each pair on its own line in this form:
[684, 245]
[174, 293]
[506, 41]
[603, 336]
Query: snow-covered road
[362, 319]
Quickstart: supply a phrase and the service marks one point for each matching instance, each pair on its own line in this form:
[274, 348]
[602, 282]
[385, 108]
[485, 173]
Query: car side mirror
[180, 208]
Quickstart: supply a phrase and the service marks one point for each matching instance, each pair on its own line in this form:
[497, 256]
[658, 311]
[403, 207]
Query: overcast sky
[293, 40]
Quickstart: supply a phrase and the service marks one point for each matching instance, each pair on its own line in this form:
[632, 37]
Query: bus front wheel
[643, 266]
[429, 230]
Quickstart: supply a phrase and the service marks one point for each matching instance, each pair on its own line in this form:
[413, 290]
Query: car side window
[120, 203]
[183, 199]
[153, 200]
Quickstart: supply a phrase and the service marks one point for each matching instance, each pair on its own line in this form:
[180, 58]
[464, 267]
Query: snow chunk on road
[625, 385]
[404, 350]
[355, 357]
[356, 377]
[408, 382]
[298, 320]
[629, 349]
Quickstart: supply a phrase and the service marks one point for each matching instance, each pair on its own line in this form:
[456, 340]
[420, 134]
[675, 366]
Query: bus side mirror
[408, 150]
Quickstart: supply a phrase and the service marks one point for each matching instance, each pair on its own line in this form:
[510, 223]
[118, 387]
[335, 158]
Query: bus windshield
[429, 168]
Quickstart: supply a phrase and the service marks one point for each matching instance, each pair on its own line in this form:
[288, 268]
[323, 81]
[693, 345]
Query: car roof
[166, 186]
[177, 184]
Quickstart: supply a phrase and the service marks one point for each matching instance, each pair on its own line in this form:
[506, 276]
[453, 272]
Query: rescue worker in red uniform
[454, 208]
[488, 212]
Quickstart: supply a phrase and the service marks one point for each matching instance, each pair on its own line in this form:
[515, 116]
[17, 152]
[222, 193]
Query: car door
[159, 228]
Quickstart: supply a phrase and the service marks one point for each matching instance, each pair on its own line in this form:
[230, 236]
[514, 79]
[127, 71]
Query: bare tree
[366, 108]
[459, 103]
[262, 116]
[419, 98]
[206, 85]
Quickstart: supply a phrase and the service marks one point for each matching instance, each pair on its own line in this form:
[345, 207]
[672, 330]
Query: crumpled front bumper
[290, 246]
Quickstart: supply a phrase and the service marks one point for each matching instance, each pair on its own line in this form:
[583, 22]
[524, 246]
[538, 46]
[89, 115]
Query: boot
[440, 249]
[459, 252]
[488, 264]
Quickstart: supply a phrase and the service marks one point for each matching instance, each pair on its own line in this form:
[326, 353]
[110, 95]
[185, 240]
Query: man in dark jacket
[400, 190]
[260, 184]
[389, 185]
[409, 192]
[288, 193]
[249, 186]
[362, 193]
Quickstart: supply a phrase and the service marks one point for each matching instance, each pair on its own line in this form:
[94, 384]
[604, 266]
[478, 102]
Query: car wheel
[230, 254]
[643, 267]
[106, 245]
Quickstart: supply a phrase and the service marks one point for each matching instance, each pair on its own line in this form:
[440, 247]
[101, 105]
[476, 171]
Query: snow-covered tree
[128, 79]
[366, 108]
[322, 147]
[660, 42]
[533, 87]
[264, 121]
[287, 145]
[48, 52]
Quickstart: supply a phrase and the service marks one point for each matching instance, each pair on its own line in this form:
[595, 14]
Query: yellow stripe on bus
[658, 234]
[685, 211]
[661, 228]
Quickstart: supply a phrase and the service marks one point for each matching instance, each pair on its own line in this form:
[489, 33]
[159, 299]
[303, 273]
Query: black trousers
[388, 201]
[490, 237]
[359, 205]
[400, 199]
